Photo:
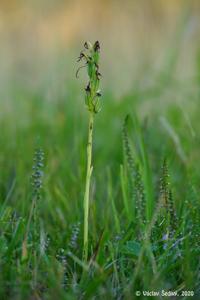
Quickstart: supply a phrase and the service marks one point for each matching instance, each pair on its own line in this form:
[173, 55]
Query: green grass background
[164, 124]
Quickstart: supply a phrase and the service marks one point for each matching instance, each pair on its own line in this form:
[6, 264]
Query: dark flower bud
[88, 89]
[80, 56]
[96, 46]
[98, 94]
[86, 45]
[98, 75]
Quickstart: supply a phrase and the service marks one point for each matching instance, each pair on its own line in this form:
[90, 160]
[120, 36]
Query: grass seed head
[37, 174]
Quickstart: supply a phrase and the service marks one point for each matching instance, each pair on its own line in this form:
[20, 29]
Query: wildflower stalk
[36, 180]
[87, 184]
[91, 58]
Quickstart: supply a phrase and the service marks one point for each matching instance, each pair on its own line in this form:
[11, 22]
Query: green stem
[25, 246]
[87, 186]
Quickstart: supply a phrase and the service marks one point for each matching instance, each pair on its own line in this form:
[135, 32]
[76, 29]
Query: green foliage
[131, 248]
[143, 223]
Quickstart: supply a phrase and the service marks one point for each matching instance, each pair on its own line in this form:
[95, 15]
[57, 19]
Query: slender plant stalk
[24, 245]
[87, 184]
[91, 57]
[36, 180]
